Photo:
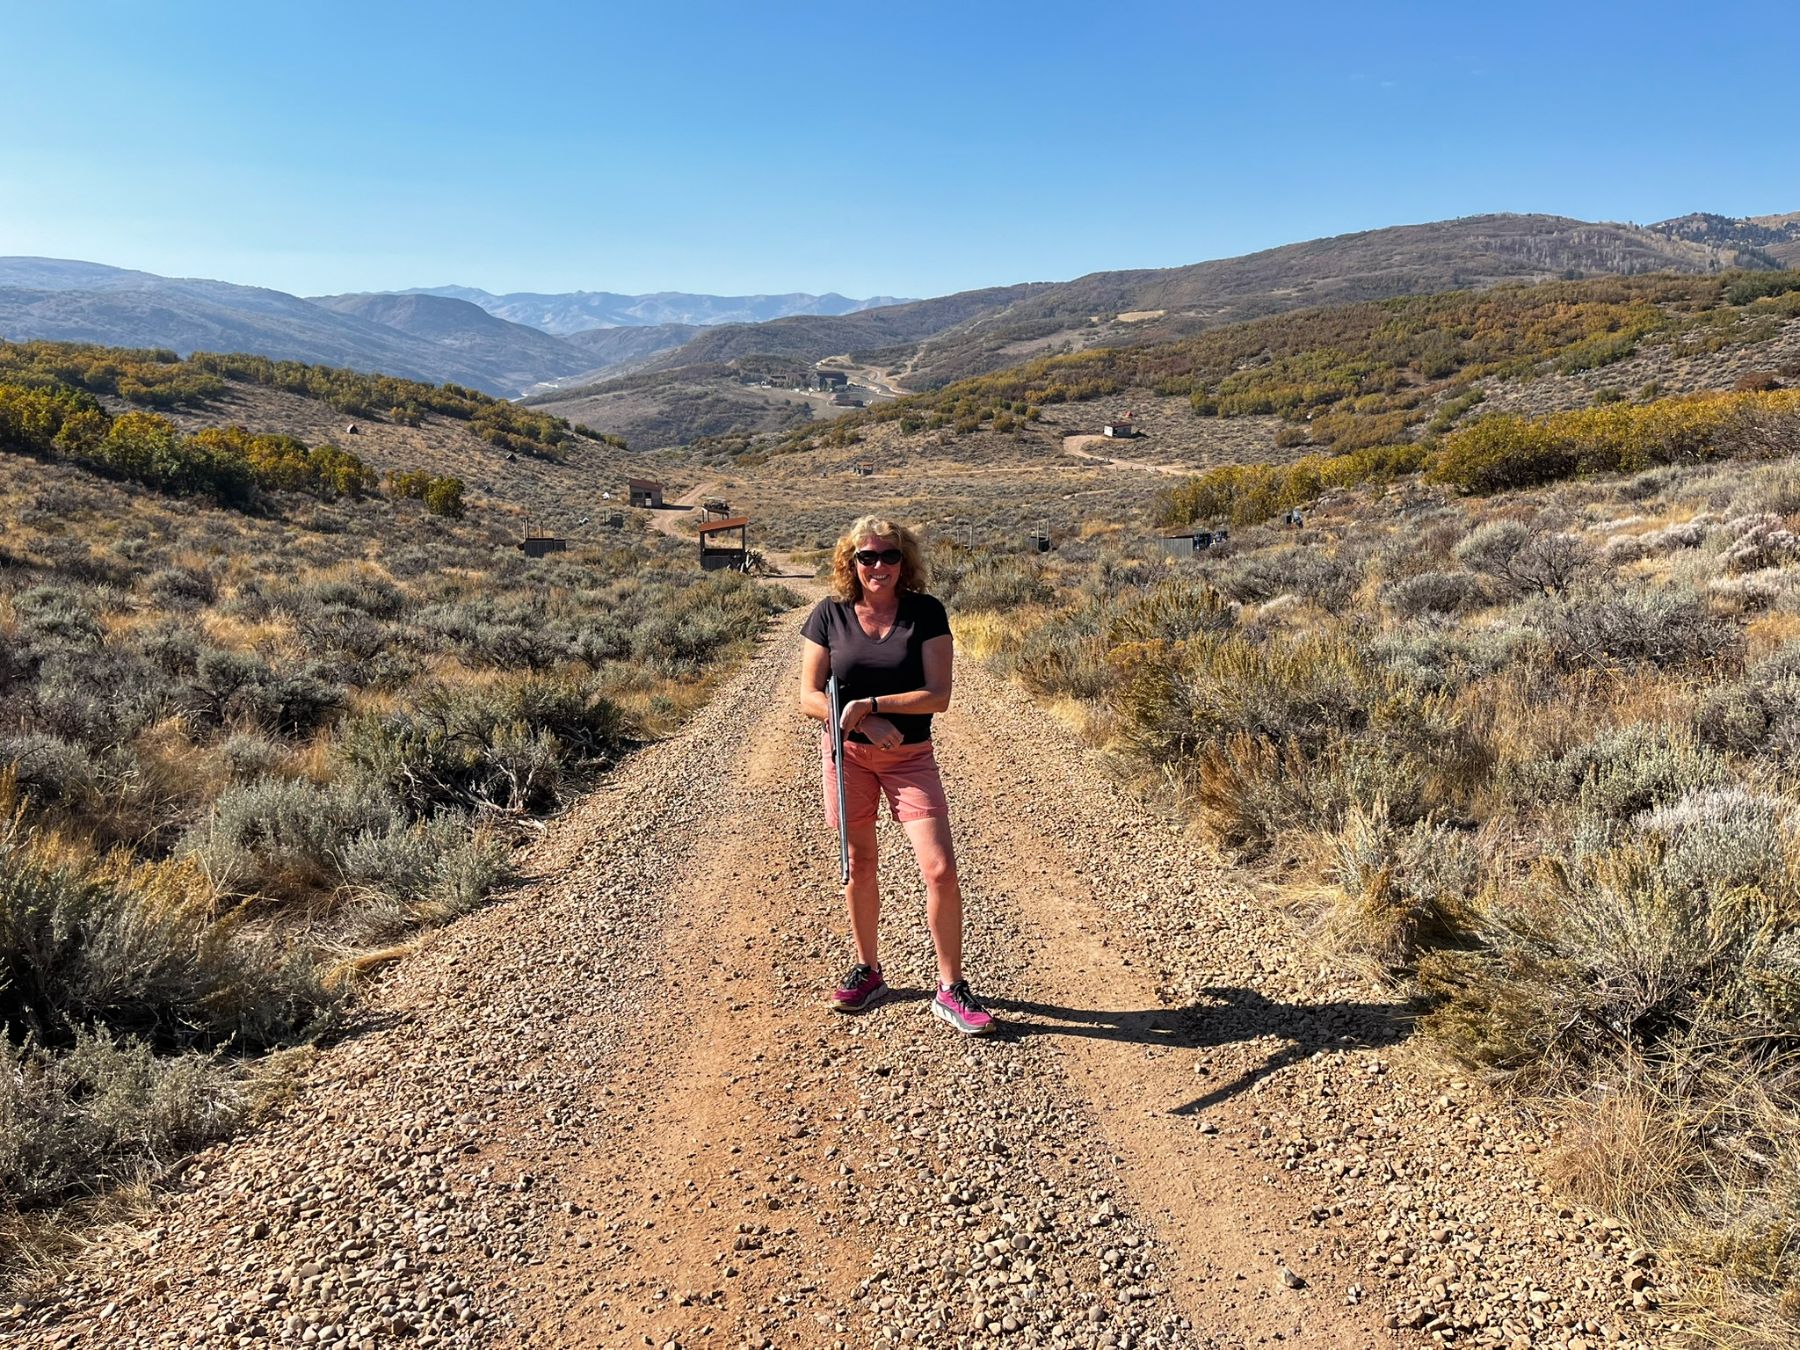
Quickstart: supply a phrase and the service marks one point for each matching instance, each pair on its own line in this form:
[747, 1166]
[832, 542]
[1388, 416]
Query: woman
[889, 645]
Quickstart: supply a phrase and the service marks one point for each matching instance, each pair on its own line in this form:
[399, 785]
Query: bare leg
[943, 892]
[863, 893]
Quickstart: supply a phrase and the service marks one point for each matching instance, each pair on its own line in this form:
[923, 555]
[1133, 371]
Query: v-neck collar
[857, 620]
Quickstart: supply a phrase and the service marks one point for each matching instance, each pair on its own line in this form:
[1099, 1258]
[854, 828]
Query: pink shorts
[907, 775]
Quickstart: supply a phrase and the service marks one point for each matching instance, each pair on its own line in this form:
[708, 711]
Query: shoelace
[858, 973]
[960, 992]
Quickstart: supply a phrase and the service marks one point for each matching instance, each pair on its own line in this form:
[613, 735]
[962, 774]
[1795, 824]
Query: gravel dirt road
[611, 1109]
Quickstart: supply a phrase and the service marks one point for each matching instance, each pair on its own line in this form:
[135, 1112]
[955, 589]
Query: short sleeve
[818, 625]
[932, 621]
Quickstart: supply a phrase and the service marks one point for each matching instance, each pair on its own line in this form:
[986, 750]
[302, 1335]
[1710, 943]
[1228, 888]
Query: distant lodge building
[717, 553]
[645, 492]
[537, 545]
[1189, 542]
[830, 381]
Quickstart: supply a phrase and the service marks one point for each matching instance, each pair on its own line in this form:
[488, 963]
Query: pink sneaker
[957, 1006]
[862, 988]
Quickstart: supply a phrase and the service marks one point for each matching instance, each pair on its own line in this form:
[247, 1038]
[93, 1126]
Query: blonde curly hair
[914, 576]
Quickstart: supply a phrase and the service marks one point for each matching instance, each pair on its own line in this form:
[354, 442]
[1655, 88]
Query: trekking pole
[836, 695]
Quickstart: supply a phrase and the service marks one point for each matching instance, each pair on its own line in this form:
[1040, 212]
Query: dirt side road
[610, 1110]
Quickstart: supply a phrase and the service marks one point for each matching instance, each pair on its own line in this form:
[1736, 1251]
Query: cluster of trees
[158, 378]
[443, 496]
[1507, 451]
[149, 377]
[228, 464]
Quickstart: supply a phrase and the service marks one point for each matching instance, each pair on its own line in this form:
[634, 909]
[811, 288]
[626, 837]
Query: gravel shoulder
[610, 1110]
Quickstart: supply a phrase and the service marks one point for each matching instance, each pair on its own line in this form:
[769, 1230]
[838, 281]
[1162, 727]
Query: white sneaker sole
[939, 1010]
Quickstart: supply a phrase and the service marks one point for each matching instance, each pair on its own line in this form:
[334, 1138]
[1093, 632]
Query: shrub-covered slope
[1526, 755]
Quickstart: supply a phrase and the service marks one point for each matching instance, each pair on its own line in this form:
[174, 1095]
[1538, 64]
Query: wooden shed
[718, 554]
[1189, 542]
[645, 492]
[537, 545]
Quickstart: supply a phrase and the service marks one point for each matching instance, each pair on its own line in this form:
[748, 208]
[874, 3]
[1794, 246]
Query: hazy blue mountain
[65, 300]
[577, 311]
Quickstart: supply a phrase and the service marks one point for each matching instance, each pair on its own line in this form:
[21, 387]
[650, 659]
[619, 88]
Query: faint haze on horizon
[917, 150]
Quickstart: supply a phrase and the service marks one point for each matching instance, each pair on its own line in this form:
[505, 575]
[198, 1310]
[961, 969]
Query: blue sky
[911, 149]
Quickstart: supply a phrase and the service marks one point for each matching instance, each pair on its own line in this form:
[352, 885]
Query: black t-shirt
[871, 667]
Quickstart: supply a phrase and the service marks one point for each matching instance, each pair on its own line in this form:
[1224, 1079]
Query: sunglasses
[868, 557]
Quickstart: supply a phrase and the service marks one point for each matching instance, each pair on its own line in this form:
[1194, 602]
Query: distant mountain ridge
[420, 335]
[577, 311]
[513, 344]
[978, 332]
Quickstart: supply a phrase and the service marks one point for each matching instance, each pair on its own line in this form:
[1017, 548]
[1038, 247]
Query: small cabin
[645, 492]
[830, 380]
[537, 545]
[718, 553]
[1122, 430]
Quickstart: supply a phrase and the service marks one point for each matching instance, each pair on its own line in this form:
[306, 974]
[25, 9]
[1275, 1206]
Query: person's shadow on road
[1223, 1016]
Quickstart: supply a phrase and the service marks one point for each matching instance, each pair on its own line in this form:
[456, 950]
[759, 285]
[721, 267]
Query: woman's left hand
[881, 733]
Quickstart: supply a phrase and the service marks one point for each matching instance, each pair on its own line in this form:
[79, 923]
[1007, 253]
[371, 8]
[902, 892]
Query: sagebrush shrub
[1610, 960]
[1758, 714]
[1400, 889]
[1434, 593]
[107, 1108]
[58, 616]
[140, 951]
[285, 838]
[1662, 628]
[49, 770]
[1326, 578]
[184, 586]
[500, 748]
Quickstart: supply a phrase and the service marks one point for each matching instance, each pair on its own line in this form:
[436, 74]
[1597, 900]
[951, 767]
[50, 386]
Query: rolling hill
[66, 301]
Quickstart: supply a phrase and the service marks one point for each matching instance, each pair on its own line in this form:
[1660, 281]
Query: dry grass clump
[230, 775]
[1532, 761]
